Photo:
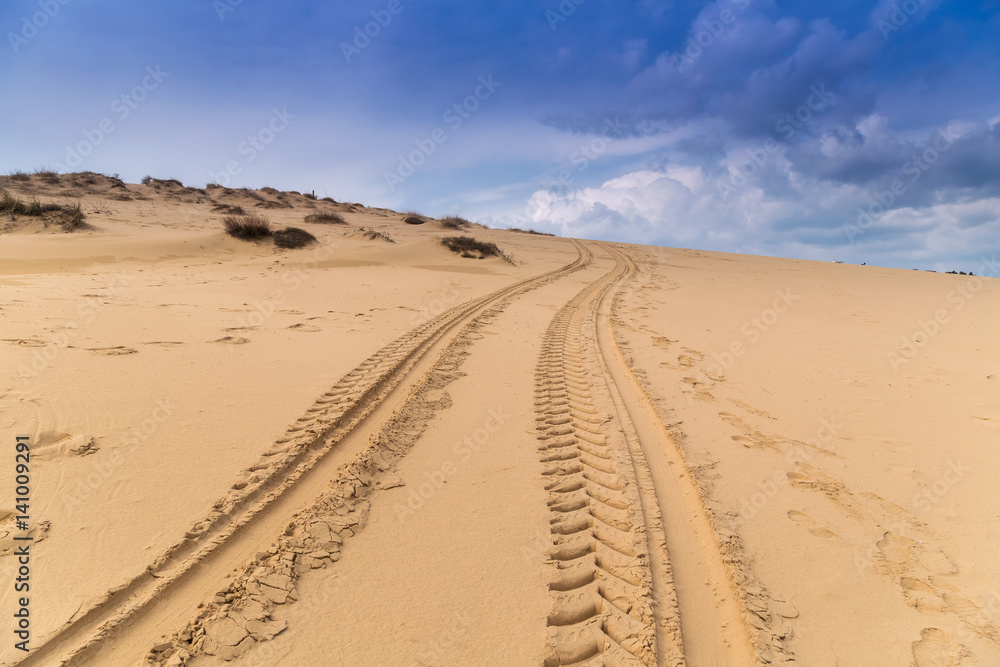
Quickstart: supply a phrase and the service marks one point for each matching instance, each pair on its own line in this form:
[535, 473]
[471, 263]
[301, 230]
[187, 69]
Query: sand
[364, 452]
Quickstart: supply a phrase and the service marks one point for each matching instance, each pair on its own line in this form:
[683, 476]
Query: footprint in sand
[812, 525]
[967, 610]
[53, 445]
[936, 648]
[921, 596]
[301, 326]
[115, 351]
[231, 340]
[241, 328]
[749, 408]
[25, 342]
[9, 530]
[915, 555]
[662, 342]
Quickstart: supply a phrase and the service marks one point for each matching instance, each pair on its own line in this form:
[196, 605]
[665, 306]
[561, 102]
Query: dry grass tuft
[247, 226]
[327, 218]
[293, 237]
[466, 246]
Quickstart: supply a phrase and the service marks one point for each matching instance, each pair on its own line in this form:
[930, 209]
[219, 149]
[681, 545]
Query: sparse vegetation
[101, 206]
[375, 235]
[253, 194]
[414, 219]
[247, 226]
[466, 246]
[293, 237]
[68, 216]
[326, 218]
[72, 217]
[46, 176]
[267, 203]
[454, 222]
[228, 208]
[329, 199]
[157, 182]
[528, 231]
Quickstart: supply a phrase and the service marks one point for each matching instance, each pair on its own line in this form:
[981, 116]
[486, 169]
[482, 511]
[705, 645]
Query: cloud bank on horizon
[855, 131]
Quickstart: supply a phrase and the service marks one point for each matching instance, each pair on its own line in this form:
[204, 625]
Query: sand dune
[374, 451]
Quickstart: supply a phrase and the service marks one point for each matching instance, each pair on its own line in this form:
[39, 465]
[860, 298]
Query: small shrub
[253, 194]
[72, 217]
[326, 218]
[46, 176]
[310, 195]
[454, 222]
[228, 208]
[69, 217]
[19, 175]
[528, 231]
[146, 180]
[375, 235]
[414, 220]
[247, 226]
[167, 181]
[14, 206]
[466, 246]
[329, 199]
[293, 237]
[266, 203]
[11, 205]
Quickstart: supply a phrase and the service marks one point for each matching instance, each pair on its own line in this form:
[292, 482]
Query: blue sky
[855, 131]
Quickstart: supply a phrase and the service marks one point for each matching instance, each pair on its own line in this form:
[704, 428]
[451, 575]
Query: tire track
[289, 473]
[602, 582]
[726, 616]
